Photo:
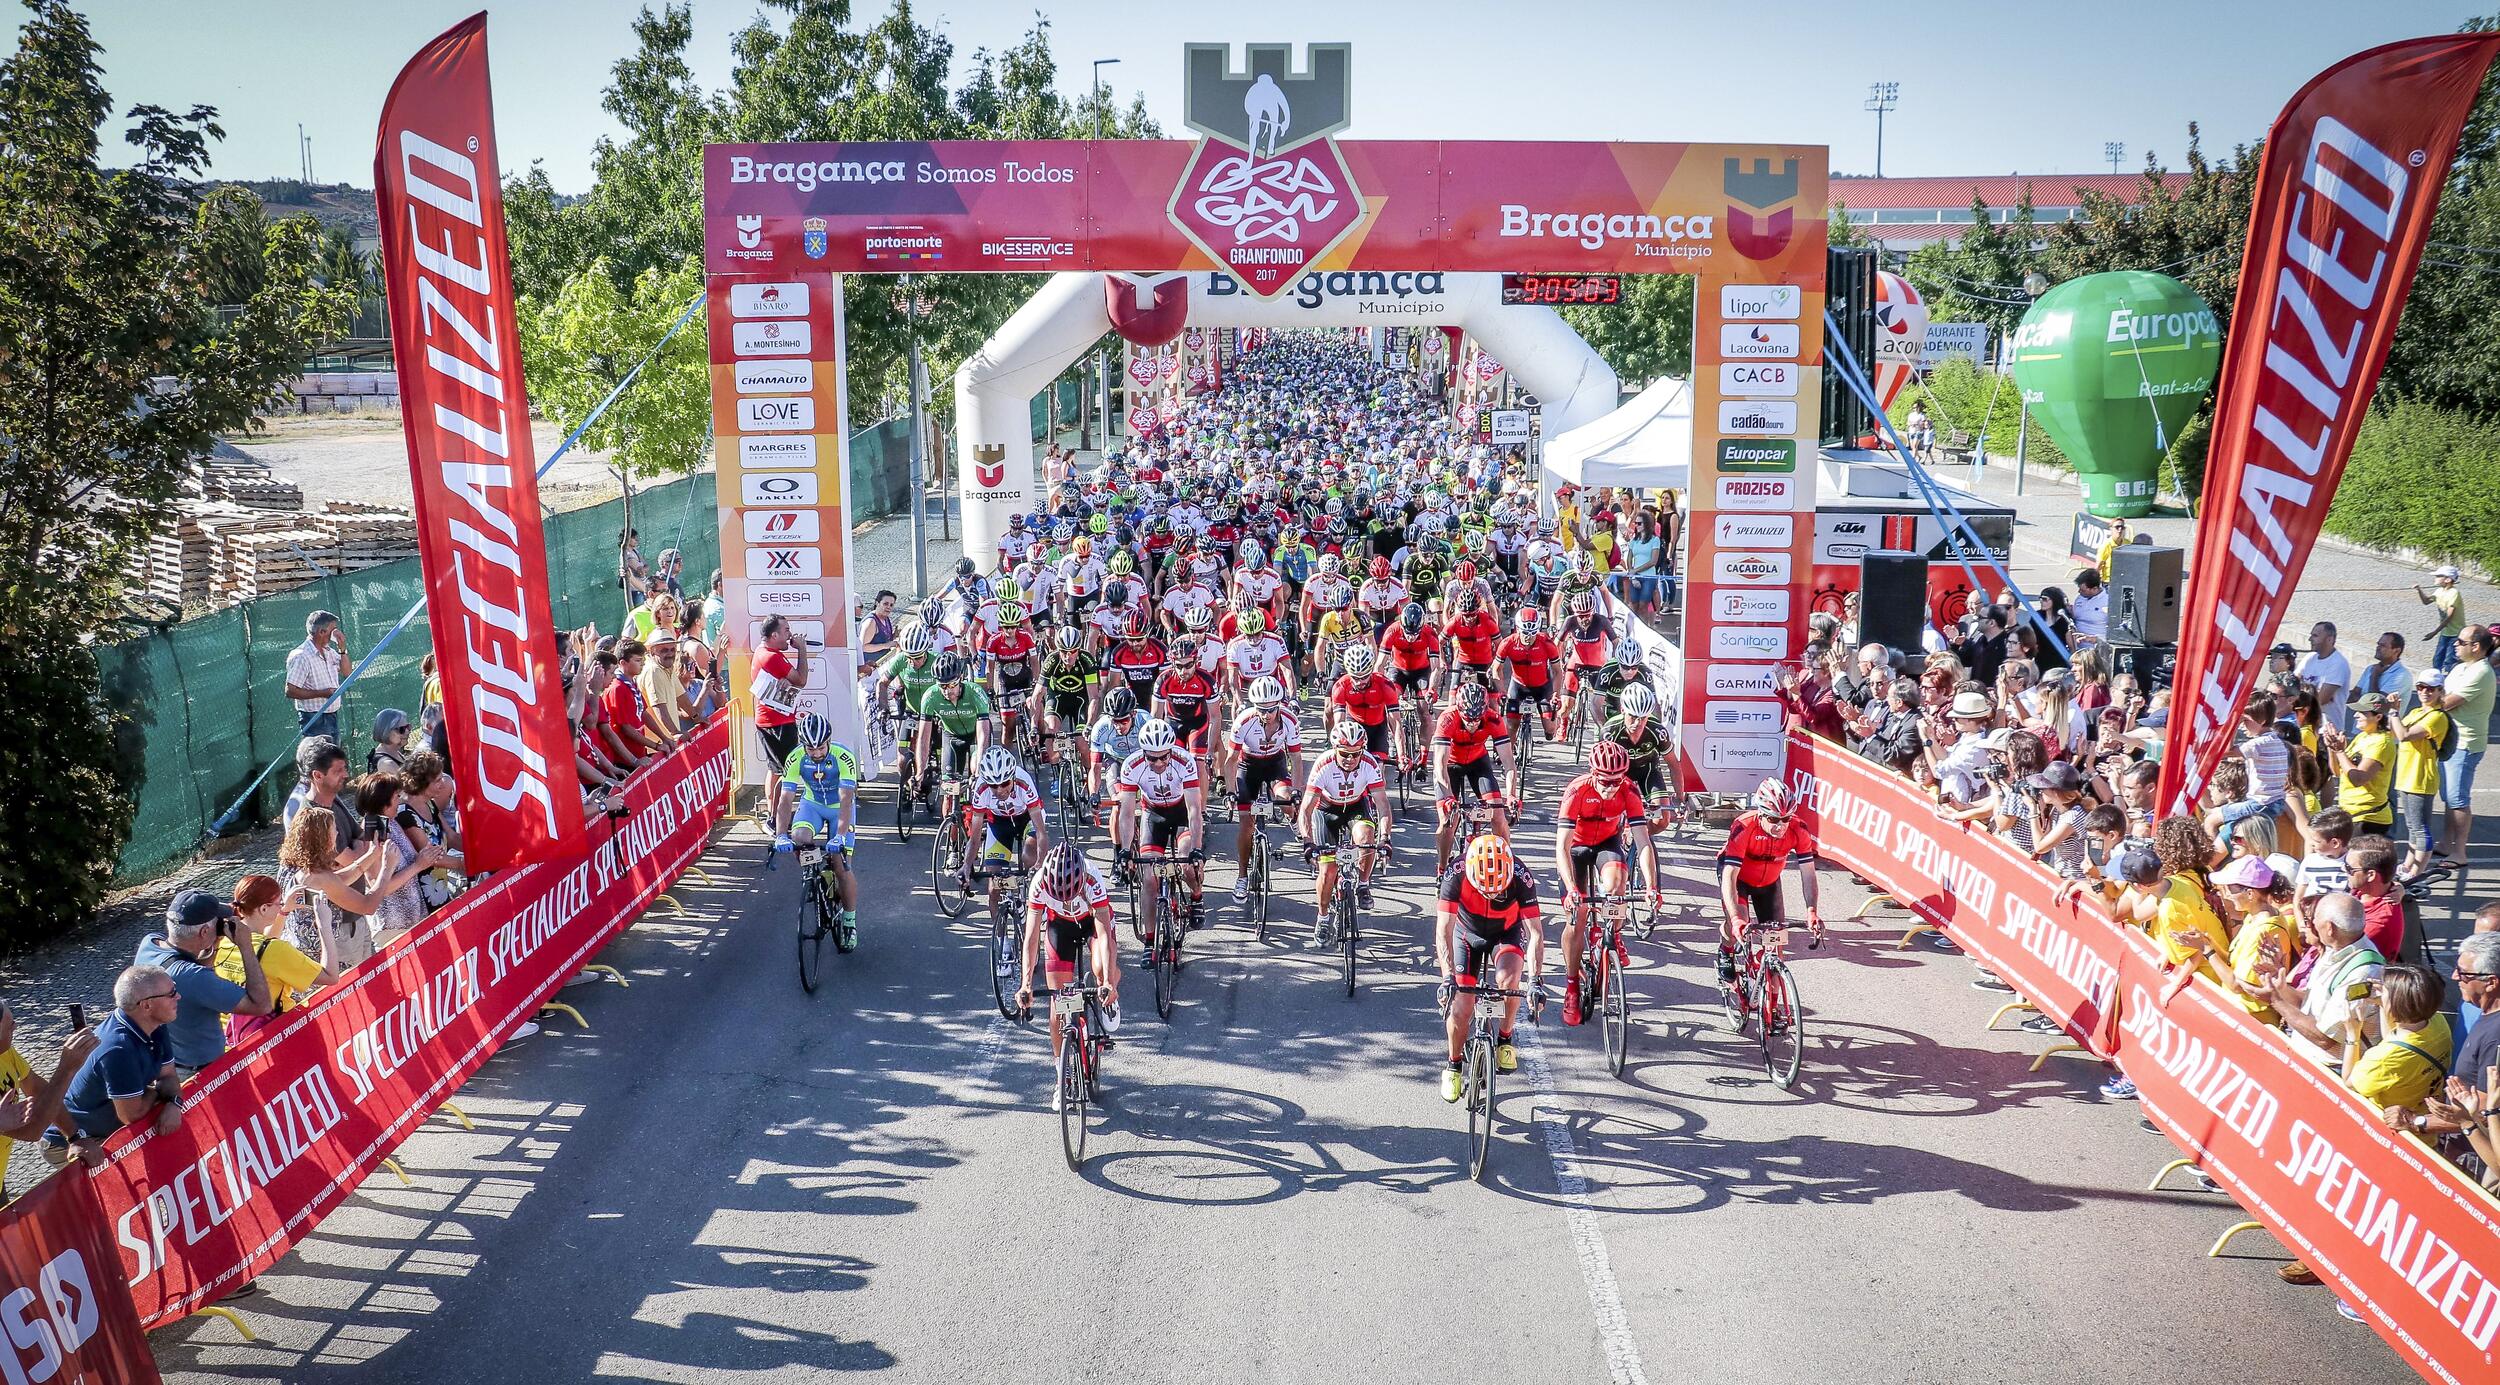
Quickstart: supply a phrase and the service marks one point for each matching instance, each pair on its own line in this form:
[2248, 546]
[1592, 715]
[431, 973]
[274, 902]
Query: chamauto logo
[989, 465]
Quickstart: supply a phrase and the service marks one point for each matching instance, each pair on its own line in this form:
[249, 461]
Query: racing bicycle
[818, 916]
[950, 847]
[1081, 1043]
[1006, 941]
[1163, 874]
[1475, 1063]
[1764, 995]
[1341, 920]
[1603, 961]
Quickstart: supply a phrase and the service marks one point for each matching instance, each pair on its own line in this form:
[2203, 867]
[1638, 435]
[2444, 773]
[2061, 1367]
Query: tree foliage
[578, 342]
[1646, 335]
[118, 369]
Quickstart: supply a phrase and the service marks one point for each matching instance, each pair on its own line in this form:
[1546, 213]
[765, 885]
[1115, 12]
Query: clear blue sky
[1986, 88]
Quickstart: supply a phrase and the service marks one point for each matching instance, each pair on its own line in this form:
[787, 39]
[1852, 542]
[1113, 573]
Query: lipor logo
[989, 465]
[1742, 303]
[1753, 568]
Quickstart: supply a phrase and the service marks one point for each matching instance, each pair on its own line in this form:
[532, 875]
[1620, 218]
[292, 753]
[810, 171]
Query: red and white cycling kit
[1163, 789]
[1068, 920]
[1255, 658]
[1760, 856]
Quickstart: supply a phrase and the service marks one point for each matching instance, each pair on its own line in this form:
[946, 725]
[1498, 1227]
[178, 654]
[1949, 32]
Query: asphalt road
[724, 1179]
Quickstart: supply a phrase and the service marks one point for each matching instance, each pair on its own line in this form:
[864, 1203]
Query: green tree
[2192, 232]
[1978, 277]
[577, 343]
[1646, 335]
[109, 283]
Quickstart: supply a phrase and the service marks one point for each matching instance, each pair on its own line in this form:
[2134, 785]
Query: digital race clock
[1562, 290]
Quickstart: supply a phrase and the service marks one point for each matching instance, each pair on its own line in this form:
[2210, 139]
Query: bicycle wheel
[1259, 880]
[1168, 924]
[1480, 1101]
[947, 849]
[1003, 960]
[1072, 1096]
[813, 926]
[1783, 1025]
[1732, 999]
[1345, 936]
[904, 803]
[1614, 1007]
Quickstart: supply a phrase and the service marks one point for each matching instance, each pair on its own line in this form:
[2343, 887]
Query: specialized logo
[1757, 231]
[812, 237]
[1750, 454]
[1266, 192]
[1754, 531]
[989, 465]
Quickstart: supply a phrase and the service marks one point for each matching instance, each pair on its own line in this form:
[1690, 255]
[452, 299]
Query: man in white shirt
[313, 674]
[2328, 673]
[2091, 607]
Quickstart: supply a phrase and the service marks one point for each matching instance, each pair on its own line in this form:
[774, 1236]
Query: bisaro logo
[989, 465]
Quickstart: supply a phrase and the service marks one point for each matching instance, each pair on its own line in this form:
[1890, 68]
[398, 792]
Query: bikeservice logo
[1266, 193]
[1034, 250]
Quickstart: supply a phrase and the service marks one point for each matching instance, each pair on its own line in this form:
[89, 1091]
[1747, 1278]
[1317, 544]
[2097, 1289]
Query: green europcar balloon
[2114, 365]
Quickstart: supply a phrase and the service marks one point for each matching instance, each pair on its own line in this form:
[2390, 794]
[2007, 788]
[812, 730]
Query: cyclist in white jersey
[1069, 909]
[1346, 797]
[1261, 756]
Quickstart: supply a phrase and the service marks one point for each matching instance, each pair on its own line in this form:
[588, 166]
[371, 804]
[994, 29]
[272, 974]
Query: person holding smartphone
[29, 1101]
[187, 952]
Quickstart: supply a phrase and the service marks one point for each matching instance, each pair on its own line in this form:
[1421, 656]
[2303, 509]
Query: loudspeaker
[1892, 599]
[1849, 296]
[2144, 594]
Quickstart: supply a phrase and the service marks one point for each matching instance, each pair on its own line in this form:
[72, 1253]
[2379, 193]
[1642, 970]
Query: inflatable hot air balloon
[2113, 366]
[1900, 333]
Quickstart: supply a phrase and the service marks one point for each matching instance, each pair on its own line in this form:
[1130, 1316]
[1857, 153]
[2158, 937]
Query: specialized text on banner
[479, 534]
[66, 1312]
[2344, 197]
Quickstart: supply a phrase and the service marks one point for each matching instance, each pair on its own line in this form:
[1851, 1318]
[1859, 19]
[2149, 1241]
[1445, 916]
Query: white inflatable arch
[994, 389]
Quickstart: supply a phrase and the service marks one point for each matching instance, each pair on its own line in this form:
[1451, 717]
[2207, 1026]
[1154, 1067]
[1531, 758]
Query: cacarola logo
[1313, 289]
[989, 465]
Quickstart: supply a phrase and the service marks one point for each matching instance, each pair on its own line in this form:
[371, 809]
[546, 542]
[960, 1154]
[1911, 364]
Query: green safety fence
[206, 699]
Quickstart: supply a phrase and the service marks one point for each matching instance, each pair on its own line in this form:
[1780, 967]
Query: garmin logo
[1741, 680]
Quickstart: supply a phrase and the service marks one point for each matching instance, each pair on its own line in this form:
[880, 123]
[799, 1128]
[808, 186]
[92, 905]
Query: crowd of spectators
[2286, 889]
[1630, 535]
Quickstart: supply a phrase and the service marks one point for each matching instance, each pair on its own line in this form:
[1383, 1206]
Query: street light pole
[2115, 151]
[1881, 97]
[1102, 355]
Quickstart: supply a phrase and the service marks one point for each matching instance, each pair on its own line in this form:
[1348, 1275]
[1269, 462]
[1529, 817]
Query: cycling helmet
[1015, 522]
[950, 668]
[1489, 864]
[1471, 700]
[1582, 603]
[916, 641]
[1137, 628]
[1253, 623]
[1331, 565]
[1115, 594]
[1071, 639]
[1357, 661]
[1121, 564]
[1200, 618]
[1380, 569]
[1530, 621]
[1772, 799]
[1627, 653]
[1254, 557]
[1120, 704]
[1337, 598]
[1606, 761]
[1346, 738]
[814, 729]
[1411, 619]
[933, 612]
[1064, 870]
[1084, 547]
[1009, 589]
[965, 567]
[1583, 564]
[1267, 694]
[1010, 615]
[1467, 571]
[1639, 701]
[998, 765]
[1184, 650]
[1099, 524]
[1156, 738]
[1469, 599]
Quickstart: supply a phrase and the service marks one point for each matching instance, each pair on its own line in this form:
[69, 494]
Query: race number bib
[776, 694]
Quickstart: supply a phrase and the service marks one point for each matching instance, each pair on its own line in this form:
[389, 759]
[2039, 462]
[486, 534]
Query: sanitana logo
[1266, 193]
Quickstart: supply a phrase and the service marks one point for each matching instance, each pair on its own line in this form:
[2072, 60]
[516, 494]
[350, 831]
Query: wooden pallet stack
[181, 554]
[260, 562]
[366, 535]
[248, 484]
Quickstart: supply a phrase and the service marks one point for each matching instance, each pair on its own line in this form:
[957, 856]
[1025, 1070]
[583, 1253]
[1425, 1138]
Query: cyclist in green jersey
[822, 782]
[959, 712]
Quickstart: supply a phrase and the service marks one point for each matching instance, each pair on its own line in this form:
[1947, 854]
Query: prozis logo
[989, 465]
[1757, 454]
[1756, 492]
[1266, 194]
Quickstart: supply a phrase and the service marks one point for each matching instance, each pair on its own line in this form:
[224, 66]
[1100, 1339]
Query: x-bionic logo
[989, 465]
[1756, 236]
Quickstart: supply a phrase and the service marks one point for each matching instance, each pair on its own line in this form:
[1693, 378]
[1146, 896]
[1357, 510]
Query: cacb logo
[989, 465]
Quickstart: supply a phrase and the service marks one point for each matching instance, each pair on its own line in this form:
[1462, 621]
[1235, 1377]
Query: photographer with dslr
[187, 952]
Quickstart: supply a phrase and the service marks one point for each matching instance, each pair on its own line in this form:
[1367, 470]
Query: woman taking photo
[342, 905]
[262, 902]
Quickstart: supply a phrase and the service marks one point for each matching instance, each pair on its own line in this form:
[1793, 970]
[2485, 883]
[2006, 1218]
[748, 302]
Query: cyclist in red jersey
[1591, 642]
[1364, 697]
[1139, 659]
[1764, 843]
[1470, 751]
[1472, 630]
[1184, 691]
[1413, 648]
[1598, 809]
[1530, 653]
[1488, 906]
[1069, 909]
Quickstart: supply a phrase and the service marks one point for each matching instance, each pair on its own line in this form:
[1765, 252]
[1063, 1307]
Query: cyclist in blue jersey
[1113, 739]
[822, 781]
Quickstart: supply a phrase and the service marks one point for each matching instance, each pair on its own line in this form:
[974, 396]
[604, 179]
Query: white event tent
[1646, 443]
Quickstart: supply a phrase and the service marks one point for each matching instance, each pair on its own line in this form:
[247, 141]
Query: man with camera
[187, 953]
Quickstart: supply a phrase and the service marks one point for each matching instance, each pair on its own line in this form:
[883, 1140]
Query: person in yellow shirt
[292, 976]
[2405, 1067]
[2364, 763]
[2265, 939]
[1567, 518]
[29, 1101]
[2418, 739]
[2176, 909]
[2109, 545]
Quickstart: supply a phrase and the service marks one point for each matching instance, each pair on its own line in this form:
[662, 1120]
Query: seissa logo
[989, 465]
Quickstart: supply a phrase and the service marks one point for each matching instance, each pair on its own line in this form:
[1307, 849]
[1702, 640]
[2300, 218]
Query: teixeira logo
[989, 465]
[1266, 194]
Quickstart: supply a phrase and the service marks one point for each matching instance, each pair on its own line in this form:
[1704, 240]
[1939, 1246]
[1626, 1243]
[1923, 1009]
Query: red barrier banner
[64, 1313]
[1389, 205]
[479, 534]
[275, 1135]
[2392, 1227]
[2351, 175]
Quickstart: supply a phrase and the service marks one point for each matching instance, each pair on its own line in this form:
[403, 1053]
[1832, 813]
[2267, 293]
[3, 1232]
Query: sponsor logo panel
[780, 526]
[776, 377]
[1738, 604]
[1757, 454]
[768, 300]
[1774, 379]
[1748, 642]
[1750, 568]
[791, 413]
[1757, 341]
[785, 562]
[770, 338]
[1749, 303]
[1759, 718]
[777, 454]
[1757, 492]
[1740, 680]
[791, 599]
[1767, 416]
[796, 489]
[1751, 754]
[1754, 531]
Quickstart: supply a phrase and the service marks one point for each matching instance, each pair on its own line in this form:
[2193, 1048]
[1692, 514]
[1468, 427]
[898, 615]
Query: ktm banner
[275, 1135]
[479, 535]
[64, 1313]
[2393, 1228]
[2343, 204]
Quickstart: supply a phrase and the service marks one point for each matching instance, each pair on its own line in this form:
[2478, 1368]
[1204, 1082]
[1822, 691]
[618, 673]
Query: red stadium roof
[2047, 190]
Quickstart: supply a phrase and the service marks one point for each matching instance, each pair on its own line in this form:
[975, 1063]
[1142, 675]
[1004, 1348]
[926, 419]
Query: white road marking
[993, 1047]
[1588, 1241]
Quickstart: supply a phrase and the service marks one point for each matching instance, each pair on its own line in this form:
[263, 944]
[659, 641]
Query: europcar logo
[1757, 454]
[989, 465]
